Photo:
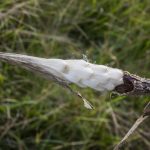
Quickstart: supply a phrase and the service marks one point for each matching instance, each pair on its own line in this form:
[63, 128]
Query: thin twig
[139, 121]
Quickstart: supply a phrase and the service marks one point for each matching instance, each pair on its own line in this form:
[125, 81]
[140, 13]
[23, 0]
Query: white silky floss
[82, 73]
[78, 71]
[85, 74]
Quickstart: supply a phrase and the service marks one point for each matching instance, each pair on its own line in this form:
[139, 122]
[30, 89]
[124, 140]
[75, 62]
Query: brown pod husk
[133, 85]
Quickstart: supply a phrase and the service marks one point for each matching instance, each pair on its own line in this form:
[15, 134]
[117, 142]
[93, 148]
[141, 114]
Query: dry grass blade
[139, 121]
[12, 10]
[58, 38]
[131, 131]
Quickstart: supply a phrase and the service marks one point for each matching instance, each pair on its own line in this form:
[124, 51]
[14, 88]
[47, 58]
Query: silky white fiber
[85, 74]
[78, 71]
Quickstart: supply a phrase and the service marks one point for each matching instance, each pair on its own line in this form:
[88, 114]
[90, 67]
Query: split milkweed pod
[82, 73]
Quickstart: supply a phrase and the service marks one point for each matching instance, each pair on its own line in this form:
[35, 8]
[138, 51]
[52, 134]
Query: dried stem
[138, 122]
[133, 85]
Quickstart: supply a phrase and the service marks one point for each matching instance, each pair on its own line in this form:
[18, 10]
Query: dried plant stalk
[139, 121]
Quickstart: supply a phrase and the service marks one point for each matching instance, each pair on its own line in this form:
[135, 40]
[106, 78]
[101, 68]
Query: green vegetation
[36, 114]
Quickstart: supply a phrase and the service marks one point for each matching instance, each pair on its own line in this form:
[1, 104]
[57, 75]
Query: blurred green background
[36, 114]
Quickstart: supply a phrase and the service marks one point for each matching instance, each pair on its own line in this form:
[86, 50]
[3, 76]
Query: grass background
[38, 114]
